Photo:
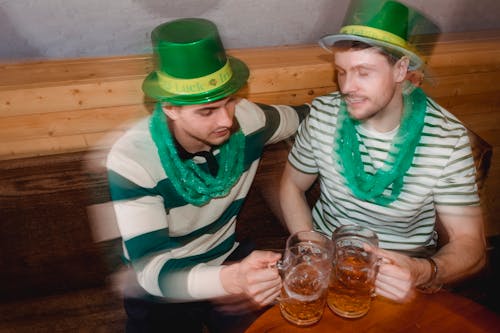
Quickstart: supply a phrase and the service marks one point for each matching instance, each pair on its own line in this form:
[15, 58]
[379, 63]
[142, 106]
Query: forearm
[462, 256]
[465, 252]
[295, 208]
[399, 275]
[197, 283]
[460, 259]
[296, 213]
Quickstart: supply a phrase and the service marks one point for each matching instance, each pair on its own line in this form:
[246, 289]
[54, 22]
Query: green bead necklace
[370, 187]
[194, 184]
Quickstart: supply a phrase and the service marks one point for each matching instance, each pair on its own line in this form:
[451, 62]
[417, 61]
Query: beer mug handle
[281, 266]
[378, 263]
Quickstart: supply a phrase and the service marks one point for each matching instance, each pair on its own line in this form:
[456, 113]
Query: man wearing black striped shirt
[387, 157]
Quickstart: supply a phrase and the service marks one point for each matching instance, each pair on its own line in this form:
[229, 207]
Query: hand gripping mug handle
[281, 266]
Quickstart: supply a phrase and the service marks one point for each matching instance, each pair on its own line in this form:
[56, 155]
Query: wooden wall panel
[70, 96]
[72, 105]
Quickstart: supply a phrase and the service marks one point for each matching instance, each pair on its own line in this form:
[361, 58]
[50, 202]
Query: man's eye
[206, 112]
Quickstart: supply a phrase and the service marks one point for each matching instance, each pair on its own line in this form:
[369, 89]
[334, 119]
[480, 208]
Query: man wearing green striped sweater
[178, 180]
[388, 158]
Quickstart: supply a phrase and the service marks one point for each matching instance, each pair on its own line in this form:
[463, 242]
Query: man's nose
[224, 117]
[348, 84]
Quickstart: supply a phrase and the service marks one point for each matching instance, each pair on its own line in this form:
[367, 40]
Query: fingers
[260, 289]
[262, 284]
[385, 255]
[394, 283]
[271, 297]
[397, 295]
[241, 304]
[246, 276]
[261, 259]
[266, 293]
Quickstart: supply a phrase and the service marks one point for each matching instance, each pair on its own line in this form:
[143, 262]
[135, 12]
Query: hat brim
[327, 41]
[152, 88]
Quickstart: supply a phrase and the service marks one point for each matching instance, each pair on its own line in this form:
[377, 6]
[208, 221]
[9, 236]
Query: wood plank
[102, 119]
[287, 78]
[460, 85]
[57, 145]
[15, 130]
[468, 104]
[470, 61]
[128, 92]
[94, 69]
[66, 103]
[68, 131]
[53, 124]
[463, 36]
[45, 73]
[51, 73]
[82, 69]
[66, 123]
[486, 125]
[290, 97]
[70, 97]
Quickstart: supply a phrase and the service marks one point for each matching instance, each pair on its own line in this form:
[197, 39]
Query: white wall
[33, 29]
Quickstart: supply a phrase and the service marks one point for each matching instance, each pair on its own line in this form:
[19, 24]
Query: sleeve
[271, 123]
[457, 184]
[282, 121]
[301, 155]
[165, 266]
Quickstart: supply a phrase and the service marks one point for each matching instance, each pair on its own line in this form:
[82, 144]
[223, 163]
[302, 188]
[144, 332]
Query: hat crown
[388, 24]
[188, 48]
[191, 65]
[392, 17]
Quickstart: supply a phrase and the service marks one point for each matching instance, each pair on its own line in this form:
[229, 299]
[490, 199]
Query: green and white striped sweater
[442, 173]
[176, 248]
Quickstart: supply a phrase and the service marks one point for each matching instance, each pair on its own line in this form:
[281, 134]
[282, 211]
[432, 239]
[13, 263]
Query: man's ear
[171, 111]
[401, 68]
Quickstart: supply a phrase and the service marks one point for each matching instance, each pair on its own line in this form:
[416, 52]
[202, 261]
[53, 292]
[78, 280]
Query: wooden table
[441, 312]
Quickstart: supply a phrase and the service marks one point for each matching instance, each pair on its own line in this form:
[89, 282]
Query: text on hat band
[197, 85]
[364, 31]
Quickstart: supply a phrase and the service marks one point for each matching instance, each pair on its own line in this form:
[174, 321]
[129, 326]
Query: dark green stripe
[159, 240]
[175, 265]
[121, 188]
[272, 121]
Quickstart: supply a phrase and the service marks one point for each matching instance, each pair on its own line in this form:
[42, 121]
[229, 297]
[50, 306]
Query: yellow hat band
[195, 86]
[374, 33]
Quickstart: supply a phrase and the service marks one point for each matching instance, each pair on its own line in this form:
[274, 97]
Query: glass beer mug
[305, 270]
[352, 282]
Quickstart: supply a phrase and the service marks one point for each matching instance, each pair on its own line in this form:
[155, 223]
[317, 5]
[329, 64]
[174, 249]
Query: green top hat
[387, 24]
[191, 64]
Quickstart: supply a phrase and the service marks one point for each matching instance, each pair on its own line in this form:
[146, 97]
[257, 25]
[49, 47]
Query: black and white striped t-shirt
[442, 173]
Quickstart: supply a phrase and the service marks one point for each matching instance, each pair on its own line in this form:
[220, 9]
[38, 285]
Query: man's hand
[398, 275]
[253, 278]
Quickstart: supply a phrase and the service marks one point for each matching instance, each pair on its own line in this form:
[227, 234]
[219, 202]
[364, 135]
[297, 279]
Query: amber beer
[303, 296]
[305, 272]
[351, 283]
